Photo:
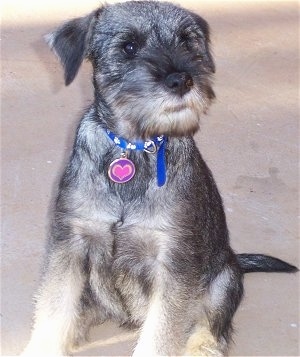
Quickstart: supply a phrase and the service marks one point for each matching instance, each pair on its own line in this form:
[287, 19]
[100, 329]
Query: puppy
[139, 234]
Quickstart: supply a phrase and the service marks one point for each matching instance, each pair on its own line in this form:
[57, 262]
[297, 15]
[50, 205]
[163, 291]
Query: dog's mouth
[175, 109]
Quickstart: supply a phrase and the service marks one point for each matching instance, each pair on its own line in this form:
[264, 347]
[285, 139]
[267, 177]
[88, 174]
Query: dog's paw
[202, 343]
[139, 351]
[205, 351]
[31, 350]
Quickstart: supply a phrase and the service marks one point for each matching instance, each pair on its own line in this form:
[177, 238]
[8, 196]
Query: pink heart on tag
[122, 172]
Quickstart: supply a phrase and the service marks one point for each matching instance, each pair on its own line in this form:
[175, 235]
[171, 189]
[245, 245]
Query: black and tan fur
[157, 258]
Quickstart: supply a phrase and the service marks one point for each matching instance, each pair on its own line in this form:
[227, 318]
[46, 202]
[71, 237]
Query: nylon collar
[155, 145]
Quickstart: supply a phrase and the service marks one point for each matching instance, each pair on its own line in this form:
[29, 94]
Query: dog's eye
[130, 48]
[184, 38]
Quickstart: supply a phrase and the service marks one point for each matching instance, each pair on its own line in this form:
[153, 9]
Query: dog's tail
[263, 263]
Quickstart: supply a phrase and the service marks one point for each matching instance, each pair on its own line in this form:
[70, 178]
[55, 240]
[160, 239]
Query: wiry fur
[153, 257]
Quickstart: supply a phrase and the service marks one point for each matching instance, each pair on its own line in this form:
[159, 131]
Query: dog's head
[152, 65]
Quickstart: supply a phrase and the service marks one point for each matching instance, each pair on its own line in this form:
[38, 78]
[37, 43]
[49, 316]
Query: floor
[249, 139]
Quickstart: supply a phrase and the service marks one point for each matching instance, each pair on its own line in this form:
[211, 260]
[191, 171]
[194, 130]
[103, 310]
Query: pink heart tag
[121, 170]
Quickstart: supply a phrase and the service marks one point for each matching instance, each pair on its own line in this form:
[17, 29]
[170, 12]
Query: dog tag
[121, 170]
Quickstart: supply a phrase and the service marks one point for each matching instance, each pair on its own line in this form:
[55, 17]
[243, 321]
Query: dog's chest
[138, 247]
[139, 251]
[137, 258]
[130, 240]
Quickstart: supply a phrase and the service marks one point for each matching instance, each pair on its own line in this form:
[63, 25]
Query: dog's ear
[70, 43]
[203, 25]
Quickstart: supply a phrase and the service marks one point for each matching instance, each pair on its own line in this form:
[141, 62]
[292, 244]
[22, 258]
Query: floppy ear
[203, 25]
[70, 43]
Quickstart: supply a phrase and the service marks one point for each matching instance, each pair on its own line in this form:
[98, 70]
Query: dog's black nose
[179, 83]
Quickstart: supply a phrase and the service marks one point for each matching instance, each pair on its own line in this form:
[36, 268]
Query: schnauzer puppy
[139, 234]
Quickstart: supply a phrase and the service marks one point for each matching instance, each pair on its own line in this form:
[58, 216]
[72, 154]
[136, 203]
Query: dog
[139, 234]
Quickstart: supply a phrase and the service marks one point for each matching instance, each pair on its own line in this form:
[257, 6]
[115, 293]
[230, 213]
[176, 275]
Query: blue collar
[155, 145]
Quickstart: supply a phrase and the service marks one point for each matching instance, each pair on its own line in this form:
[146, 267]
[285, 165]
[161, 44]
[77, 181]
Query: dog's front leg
[151, 342]
[57, 306]
[162, 331]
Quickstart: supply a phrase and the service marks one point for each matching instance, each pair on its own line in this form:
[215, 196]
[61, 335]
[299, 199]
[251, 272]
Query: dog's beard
[170, 114]
[156, 112]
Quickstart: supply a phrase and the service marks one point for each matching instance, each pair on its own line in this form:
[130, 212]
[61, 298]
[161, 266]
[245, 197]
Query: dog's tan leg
[211, 336]
[56, 308]
[162, 333]
[149, 343]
